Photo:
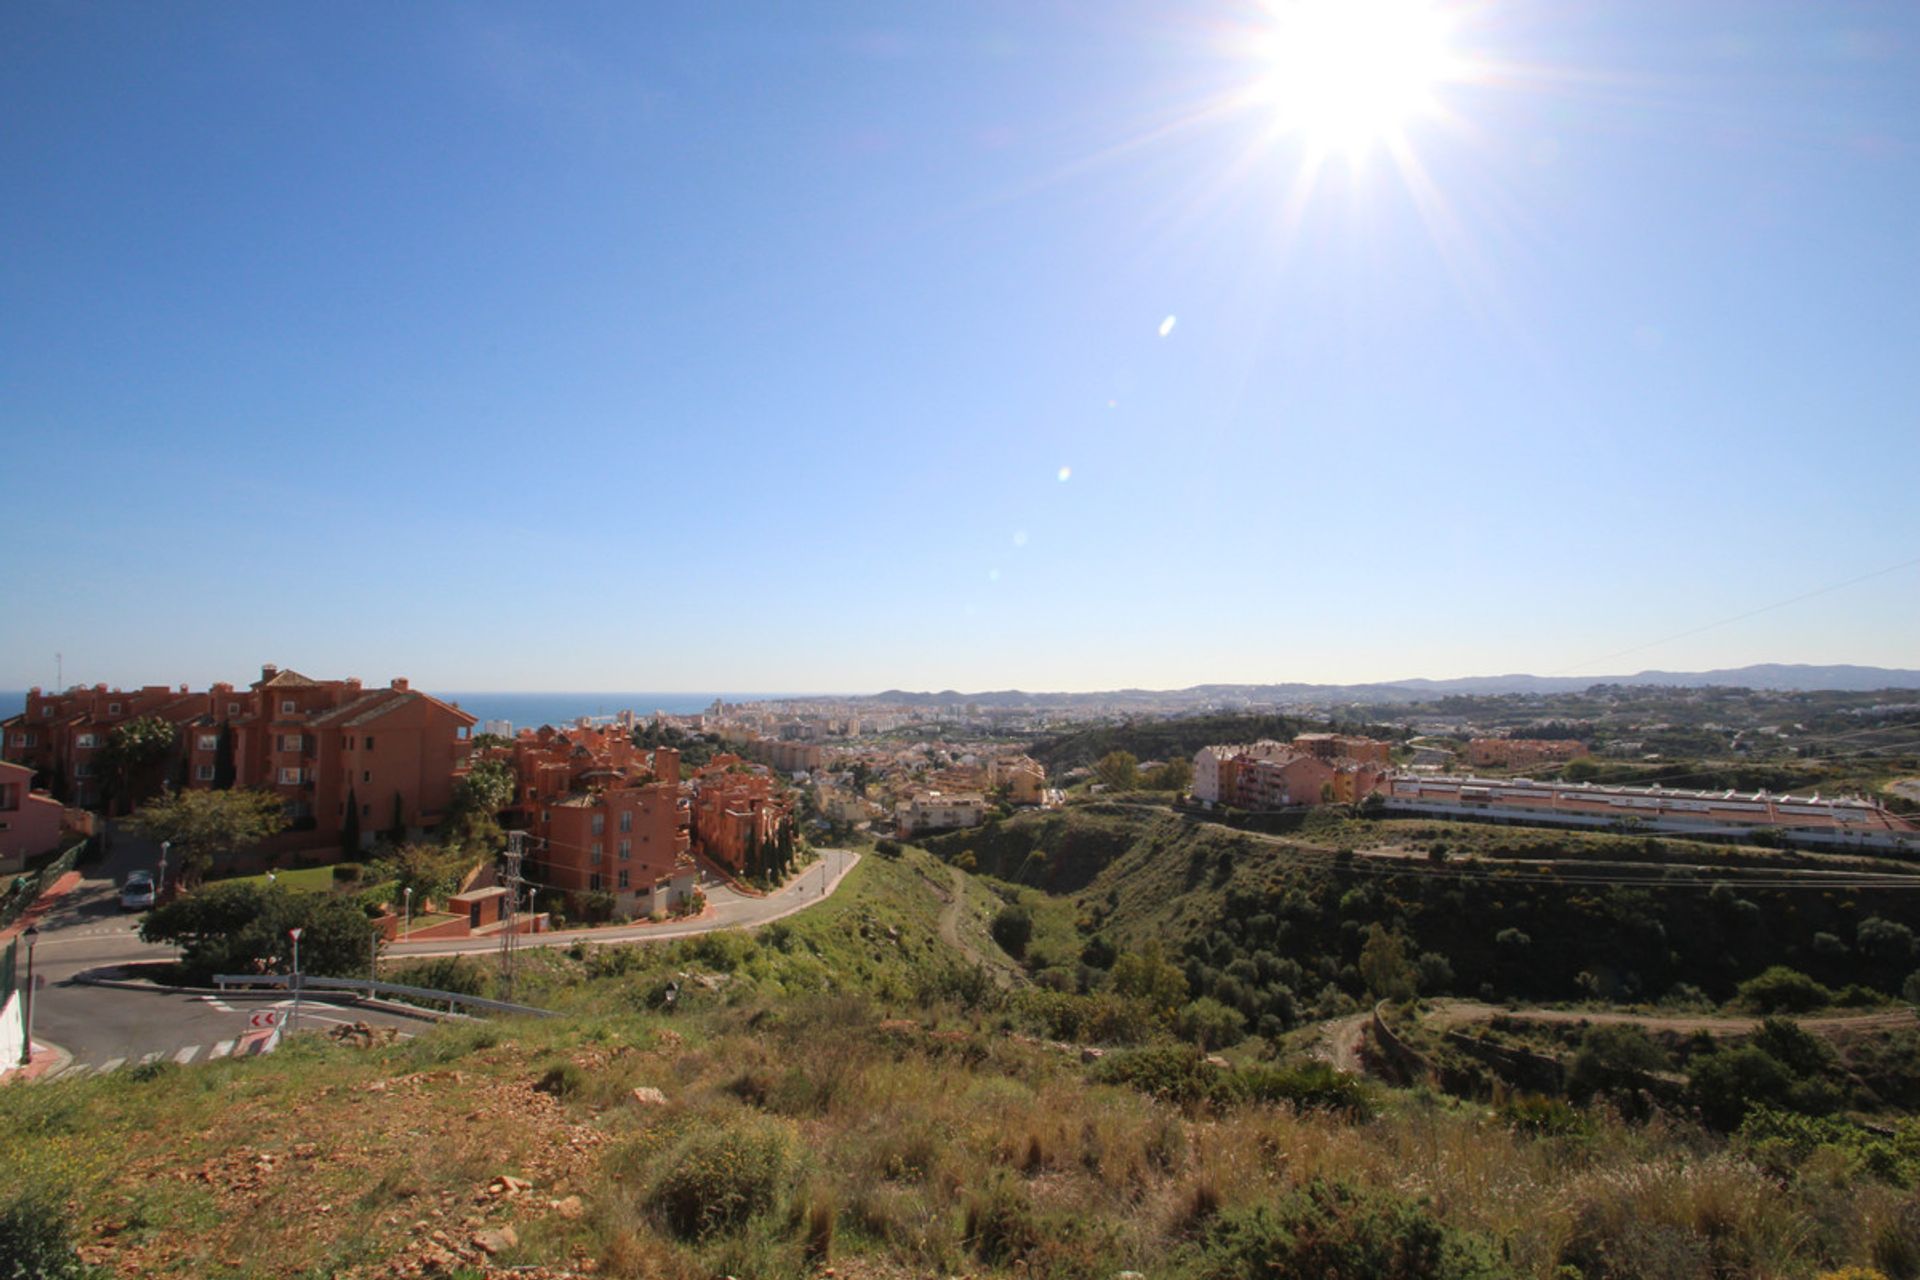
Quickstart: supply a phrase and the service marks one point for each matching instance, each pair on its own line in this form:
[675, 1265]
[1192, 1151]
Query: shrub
[1013, 928]
[1545, 1117]
[1612, 1058]
[1212, 1025]
[348, 872]
[1781, 1142]
[1333, 1229]
[887, 848]
[1783, 990]
[562, 1080]
[36, 1241]
[716, 1179]
[1727, 1084]
[1311, 1085]
[1000, 1223]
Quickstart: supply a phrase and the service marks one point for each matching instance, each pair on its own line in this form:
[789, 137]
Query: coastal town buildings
[1318, 768]
[338, 755]
[938, 811]
[605, 815]
[1522, 753]
[737, 811]
[31, 822]
[1024, 778]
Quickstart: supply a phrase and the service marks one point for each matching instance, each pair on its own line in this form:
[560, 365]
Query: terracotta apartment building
[606, 816]
[1315, 768]
[325, 747]
[735, 808]
[1521, 753]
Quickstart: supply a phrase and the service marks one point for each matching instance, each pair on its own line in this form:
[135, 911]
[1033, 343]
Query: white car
[137, 893]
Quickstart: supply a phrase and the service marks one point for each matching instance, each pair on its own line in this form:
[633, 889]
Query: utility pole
[509, 935]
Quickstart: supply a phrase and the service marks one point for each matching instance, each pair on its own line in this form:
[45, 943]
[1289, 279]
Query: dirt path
[1459, 1013]
[1339, 1043]
[950, 932]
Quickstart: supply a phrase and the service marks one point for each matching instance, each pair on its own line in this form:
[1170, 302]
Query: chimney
[352, 683]
[400, 684]
[268, 671]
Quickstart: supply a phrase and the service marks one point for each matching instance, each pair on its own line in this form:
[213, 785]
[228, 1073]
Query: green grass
[305, 880]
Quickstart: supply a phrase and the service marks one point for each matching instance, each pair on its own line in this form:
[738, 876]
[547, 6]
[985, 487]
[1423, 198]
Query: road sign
[262, 1019]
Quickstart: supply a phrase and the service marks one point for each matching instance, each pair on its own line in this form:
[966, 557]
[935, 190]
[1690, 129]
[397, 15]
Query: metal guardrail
[451, 998]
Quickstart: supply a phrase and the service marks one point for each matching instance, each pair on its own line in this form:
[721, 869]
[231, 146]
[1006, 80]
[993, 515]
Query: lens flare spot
[1065, 474]
[1166, 326]
[1020, 538]
[993, 575]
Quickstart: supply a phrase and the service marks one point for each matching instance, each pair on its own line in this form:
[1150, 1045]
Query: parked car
[137, 893]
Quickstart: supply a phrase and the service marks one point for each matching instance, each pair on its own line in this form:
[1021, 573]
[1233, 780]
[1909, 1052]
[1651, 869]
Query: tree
[1383, 965]
[350, 826]
[396, 831]
[1149, 976]
[430, 870]
[473, 815]
[127, 761]
[1611, 1059]
[1012, 928]
[1780, 989]
[1119, 770]
[241, 927]
[206, 827]
[1212, 1025]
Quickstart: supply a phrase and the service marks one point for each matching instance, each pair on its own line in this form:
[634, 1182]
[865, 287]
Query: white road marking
[221, 1050]
[112, 1064]
[217, 1003]
[152, 1057]
[186, 1055]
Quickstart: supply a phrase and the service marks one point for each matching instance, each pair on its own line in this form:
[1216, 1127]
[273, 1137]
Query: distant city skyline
[1043, 345]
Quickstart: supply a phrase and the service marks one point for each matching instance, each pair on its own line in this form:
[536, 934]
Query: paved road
[725, 910]
[106, 1027]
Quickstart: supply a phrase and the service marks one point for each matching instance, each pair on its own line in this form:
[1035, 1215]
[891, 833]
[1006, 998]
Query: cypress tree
[350, 828]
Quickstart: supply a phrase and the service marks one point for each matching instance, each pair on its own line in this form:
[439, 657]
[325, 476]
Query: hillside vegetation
[852, 1088]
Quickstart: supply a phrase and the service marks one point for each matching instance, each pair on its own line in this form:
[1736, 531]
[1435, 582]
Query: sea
[531, 710]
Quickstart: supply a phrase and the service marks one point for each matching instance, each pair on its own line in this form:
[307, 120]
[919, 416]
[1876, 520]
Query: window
[289, 777]
[599, 823]
[623, 879]
[593, 883]
[595, 857]
[626, 821]
[290, 742]
[626, 850]
[27, 739]
[83, 770]
[113, 708]
[9, 795]
[203, 773]
[84, 742]
[207, 742]
[369, 743]
[366, 811]
[233, 708]
[287, 706]
[366, 775]
[46, 713]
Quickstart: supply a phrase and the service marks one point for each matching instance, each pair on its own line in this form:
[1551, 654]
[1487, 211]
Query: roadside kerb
[92, 978]
[283, 981]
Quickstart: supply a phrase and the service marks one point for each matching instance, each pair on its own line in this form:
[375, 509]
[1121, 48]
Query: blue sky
[741, 347]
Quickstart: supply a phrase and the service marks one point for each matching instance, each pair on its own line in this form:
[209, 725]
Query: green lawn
[306, 880]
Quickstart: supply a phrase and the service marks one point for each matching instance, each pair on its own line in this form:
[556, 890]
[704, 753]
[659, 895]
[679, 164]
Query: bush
[348, 872]
[1333, 1229]
[1212, 1025]
[562, 1080]
[1783, 990]
[887, 848]
[1013, 928]
[1727, 1084]
[36, 1241]
[716, 1179]
[1611, 1059]
[1000, 1223]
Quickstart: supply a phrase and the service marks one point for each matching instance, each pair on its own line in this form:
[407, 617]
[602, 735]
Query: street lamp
[294, 1021]
[165, 845]
[32, 935]
[406, 927]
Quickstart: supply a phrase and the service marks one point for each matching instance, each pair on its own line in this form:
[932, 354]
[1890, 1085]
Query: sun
[1344, 75]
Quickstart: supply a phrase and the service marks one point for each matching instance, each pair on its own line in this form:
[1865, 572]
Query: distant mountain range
[1778, 676]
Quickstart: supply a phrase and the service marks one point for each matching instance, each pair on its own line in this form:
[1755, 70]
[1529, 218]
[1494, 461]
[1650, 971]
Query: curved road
[726, 909]
[94, 1029]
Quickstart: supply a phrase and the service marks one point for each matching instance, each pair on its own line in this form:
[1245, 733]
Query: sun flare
[1344, 75]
